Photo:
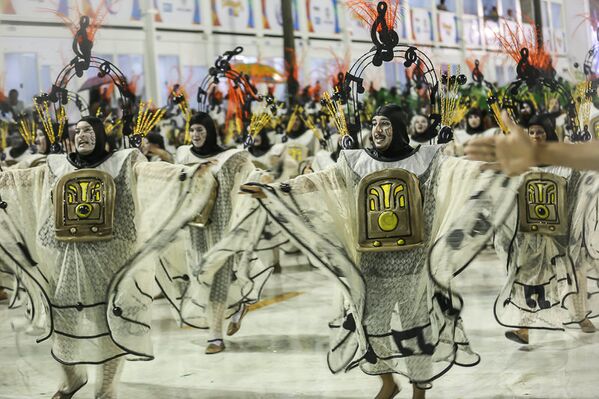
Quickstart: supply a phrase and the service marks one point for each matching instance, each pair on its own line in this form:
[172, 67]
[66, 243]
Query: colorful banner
[357, 27]
[233, 15]
[272, 15]
[422, 25]
[180, 13]
[492, 29]
[472, 35]
[120, 12]
[448, 28]
[43, 9]
[322, 16]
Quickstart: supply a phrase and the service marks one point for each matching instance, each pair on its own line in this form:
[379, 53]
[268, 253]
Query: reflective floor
[281, 353]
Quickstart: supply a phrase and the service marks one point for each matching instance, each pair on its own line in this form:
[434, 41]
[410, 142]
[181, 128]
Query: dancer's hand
[513, 154]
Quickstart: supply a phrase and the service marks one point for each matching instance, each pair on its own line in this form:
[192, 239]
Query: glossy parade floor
[281, 353]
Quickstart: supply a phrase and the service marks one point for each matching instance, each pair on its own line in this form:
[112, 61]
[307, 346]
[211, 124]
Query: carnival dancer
[78, 229]
[544, 289]
[230, 167]
[394, 322]
[474, 128]
[420, 134]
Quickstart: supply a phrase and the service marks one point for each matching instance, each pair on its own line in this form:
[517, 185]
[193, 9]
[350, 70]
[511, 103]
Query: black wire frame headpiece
[223, 69]
[59, 95]
[386, 49]
[531, 79]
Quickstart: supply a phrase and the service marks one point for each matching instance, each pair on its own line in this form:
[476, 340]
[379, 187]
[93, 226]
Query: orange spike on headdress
[340, 67]
[96, 17]
[515, 40]
[366, 11]
[471, 62]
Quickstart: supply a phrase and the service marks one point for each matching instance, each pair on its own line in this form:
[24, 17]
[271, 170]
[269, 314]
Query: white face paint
[40, 141]
[382, 132]
[85, 138]
[420, 124]
[198, 135]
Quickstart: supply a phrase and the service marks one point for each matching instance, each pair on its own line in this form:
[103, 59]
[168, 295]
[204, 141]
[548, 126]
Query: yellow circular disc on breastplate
[388, 221]
[83, 210]
[541, 211]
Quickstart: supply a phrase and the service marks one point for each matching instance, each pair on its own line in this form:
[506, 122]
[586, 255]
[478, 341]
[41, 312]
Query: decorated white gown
[395, 318]
[78, 239]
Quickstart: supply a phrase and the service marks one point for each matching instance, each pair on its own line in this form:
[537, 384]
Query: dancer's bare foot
[587, 326]
[390, 389]
[520, 336]
[3, 295]
[418, 393]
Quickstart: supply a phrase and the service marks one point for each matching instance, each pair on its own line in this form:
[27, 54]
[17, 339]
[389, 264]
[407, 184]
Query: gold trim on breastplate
[84, 206]
[389, 211]
[542, 204]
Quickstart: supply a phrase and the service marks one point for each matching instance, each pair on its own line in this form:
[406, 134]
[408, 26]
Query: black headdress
[524, 119]
[263, 148]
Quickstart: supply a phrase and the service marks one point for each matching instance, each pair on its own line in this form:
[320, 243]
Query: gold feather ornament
[45, 117]
[27, 130]
[583, 93]
[147, 118]
[453, 109]
[334, 109]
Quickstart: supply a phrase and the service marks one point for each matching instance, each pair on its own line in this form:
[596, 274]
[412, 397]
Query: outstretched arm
[516, 153]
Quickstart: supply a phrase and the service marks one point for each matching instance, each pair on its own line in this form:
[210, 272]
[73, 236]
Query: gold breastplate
[389, 211]
[542, 204]
[297, 152]
[84, 206]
